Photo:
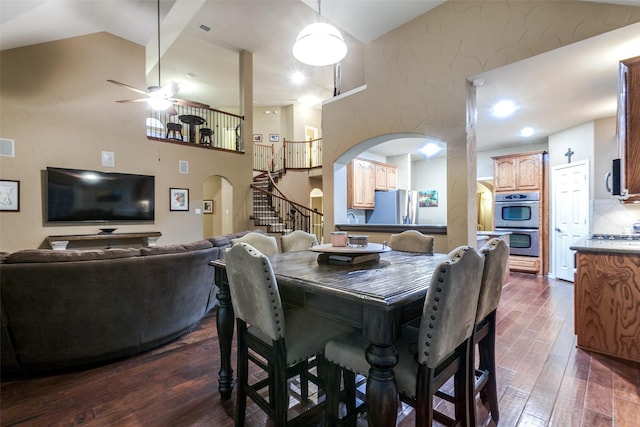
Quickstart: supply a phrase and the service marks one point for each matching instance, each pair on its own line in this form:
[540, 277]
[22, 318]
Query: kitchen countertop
[393, 228]
[610, 243]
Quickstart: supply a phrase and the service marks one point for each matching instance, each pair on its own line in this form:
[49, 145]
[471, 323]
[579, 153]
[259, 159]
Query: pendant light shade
[319, 44]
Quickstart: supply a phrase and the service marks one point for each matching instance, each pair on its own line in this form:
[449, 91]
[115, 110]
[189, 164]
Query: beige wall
[60, 110]
[416, 83]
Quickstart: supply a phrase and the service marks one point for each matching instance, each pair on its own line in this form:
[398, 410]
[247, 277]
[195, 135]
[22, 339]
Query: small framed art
[207, 206]
[257, 137]
[179, 199]
[274, 137]
[9, 195]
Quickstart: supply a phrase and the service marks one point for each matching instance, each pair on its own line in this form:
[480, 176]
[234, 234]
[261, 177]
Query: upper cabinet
[629, 126]
[518, 172]
[361, 178]
[386, 177]
[364, 177]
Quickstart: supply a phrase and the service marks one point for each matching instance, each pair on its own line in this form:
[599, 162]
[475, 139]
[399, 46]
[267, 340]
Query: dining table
[192, 120]
[377, 297]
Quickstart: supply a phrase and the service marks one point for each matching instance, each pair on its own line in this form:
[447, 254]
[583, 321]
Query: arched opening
[416, 171]
[217, 218]
[315, 201]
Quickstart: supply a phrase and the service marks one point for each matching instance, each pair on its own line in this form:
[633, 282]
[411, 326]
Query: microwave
[517, 210]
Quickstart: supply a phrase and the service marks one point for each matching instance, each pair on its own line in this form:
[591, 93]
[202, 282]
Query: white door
[570, 189]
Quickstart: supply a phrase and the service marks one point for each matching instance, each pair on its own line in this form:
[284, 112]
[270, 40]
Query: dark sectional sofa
[63, 309]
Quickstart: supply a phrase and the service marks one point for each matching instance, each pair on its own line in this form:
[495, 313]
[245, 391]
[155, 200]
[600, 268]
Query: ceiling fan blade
[189, 103]
[143, 92]
[125, 101]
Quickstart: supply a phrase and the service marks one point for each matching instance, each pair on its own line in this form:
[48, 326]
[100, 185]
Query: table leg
[224, 323]
[382, 394]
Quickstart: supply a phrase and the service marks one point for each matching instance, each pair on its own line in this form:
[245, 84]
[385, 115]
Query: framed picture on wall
[257, 137]
[9, 196]
[428, 198]
[274, 137]
[179, 199]
[207, 206]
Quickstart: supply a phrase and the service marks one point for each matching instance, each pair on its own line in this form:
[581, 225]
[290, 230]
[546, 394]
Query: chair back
[449, 313]
[412, 241]
[297, 240]
[254, 290]
[268, 245]
[496, 257]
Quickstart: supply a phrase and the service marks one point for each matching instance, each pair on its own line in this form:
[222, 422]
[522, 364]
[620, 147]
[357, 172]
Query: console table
[107, 239]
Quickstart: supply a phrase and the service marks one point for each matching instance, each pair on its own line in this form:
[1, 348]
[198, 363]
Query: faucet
[349, 215]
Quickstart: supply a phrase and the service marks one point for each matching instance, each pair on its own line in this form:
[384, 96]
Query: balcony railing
[292, 155]
[202, 127]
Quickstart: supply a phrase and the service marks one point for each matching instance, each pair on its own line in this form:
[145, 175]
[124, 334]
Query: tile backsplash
[612, 217]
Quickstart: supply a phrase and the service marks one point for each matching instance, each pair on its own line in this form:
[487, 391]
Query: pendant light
[319, 44]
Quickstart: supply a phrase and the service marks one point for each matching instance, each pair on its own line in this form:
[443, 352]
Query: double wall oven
[519, 213]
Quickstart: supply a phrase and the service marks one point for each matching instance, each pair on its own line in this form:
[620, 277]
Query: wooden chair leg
[280, 402]
[304, 381]
[243, 375]
[487, 354]
[331, 379]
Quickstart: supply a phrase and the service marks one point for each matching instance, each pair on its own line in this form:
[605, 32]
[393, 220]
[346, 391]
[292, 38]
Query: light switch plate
[108, 159]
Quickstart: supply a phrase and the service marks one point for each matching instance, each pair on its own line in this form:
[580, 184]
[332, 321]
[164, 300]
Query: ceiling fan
[160, 97]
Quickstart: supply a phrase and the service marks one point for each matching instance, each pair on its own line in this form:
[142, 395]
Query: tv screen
[74, 195]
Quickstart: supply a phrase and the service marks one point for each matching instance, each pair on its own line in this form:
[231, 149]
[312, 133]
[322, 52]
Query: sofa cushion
[176, 249]
[221, 241]
[50, 255]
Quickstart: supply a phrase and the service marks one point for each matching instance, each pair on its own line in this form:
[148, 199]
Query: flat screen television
[75, 195]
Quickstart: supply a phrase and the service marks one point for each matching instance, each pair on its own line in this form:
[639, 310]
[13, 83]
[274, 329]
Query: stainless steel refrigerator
[394, 207]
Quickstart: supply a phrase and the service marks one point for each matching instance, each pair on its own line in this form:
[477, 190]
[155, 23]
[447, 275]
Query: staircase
[266, 212]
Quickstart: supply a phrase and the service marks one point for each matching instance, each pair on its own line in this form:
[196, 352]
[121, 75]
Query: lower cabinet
[525, 264]
[607, 303]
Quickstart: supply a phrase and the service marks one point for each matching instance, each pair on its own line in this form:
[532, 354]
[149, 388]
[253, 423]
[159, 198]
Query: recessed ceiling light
[504, 108]
[297, 77]
[527, 131]
[430, 149]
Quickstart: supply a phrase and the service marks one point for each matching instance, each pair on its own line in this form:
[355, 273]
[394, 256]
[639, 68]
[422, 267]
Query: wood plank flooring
[543, 378]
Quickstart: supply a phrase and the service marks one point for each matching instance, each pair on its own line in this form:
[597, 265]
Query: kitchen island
[607, 295]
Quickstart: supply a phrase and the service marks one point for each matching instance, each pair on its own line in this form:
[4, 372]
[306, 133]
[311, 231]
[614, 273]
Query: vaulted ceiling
[562, 98]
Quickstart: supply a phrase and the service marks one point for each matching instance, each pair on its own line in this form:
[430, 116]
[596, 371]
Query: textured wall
[60, 110]
[416, 81]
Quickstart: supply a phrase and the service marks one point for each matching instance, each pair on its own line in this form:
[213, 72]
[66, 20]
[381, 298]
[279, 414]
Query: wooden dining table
[378, 297]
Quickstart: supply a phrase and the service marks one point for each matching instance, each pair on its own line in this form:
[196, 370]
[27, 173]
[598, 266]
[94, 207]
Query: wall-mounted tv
[75, 195]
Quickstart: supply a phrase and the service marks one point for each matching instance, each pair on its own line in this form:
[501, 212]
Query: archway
[217, 220]
[404, 155]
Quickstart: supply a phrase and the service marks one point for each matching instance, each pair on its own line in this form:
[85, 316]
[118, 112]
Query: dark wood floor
[543, 378]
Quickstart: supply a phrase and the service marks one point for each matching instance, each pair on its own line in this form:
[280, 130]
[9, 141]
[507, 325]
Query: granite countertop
[622, 243]
[394, 228]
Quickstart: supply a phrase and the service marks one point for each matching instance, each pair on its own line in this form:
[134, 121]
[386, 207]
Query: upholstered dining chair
[279, 341]
[496, 259]
[268, 245]
[411, 241]
[298, 240]
[430, 355]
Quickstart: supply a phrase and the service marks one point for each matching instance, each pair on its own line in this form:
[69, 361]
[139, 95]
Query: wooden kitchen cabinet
[524, 173]
[629, 126]
[518, 172]
[607, 297]
[361, 182]
[386, 177]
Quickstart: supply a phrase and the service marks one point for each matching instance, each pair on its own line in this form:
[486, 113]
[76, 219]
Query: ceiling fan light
[159, 104]
[319, 44]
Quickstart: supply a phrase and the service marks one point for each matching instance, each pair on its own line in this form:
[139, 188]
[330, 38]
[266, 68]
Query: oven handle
[515, 230]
